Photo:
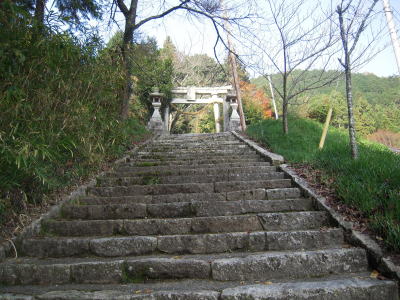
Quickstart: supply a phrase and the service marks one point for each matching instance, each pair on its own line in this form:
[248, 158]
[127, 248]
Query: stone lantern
[234, 121]
[156, 123]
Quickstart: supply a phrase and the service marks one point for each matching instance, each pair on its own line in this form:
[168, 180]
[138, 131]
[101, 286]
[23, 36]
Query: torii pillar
[216, 114]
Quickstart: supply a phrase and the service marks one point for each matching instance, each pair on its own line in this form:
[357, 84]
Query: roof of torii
[189, 95]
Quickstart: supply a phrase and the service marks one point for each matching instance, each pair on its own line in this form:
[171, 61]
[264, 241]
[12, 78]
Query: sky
[198, 37]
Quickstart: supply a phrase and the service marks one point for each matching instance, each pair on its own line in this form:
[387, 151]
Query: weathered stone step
[157, 147]
[155, 179]
[151, 167]
[349, 289]
[202, 141]
[194, 162]
[182, 209]
[245, 194]
[217, 224]
[203, 148]
[356, 286]
[220, 267]
[216, 187]
[192, 158]
[201, 137]
[182, 244]
[195, 171]
[198, 152]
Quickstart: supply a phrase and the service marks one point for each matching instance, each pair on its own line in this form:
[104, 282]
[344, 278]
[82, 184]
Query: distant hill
[376, 90]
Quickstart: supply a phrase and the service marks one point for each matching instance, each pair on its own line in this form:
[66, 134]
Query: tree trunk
[285, 117]
[128, 87]
[285, 103]
[127, 60]
[39, 11]
[349, 97]
[236, 84]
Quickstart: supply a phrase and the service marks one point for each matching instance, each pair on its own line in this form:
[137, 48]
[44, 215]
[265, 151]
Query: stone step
[154, 168]
[195, 147]
[238, 223]
[249, 194]
[193, 157]
[156, 179]
[194, 162]
[220, 267]
[195, 172]
[209, 243]
[191, 217]
[349, 289]
[232, 147]
[355, 286]
[198, 152]
[182, 209]
[202, 141]
[198, 136]
[197, 141]
[216, 187]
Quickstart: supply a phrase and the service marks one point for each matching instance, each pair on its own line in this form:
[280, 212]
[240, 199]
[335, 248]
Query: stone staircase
[193, 217]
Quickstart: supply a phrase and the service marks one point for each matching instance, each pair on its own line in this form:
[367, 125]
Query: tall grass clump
[370, 183]
[59, 109]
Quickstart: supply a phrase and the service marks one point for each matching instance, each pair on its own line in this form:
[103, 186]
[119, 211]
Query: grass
[149, 180]
[371, 183]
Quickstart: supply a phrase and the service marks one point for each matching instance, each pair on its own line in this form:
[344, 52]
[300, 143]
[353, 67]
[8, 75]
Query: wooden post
[233, 63]
[273, 96]
[325, 130]
[236, 84]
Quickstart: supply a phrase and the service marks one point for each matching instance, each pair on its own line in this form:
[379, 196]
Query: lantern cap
[231, 95]
[156, 92]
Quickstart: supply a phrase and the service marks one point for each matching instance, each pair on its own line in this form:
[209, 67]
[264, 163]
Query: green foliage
[206, 122]
[371, 183]
[59, 104]
[376, 101]
[252, 112]
[369, 118]
[149, 69]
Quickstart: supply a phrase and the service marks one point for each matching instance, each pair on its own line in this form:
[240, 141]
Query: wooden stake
[325, 131]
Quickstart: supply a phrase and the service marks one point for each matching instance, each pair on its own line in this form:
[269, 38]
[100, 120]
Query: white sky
[192, 36]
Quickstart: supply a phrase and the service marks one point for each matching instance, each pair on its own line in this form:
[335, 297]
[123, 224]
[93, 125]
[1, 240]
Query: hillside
[376, 90]
[377, 103]
[369, 185]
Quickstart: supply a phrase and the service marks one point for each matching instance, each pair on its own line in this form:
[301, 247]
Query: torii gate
[197, 95]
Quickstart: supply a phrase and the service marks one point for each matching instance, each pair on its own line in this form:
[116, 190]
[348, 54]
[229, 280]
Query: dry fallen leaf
[374, 274]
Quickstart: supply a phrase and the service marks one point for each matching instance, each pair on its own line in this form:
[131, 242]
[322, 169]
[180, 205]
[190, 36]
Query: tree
[198, 70]
[192, 70]
[209, 9]
[150, 67]
[69, 9]
[353, 17]
[256, 105]
[303, 41]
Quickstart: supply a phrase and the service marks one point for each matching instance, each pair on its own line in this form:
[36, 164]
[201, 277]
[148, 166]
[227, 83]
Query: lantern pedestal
[234, 120]
[156, 123]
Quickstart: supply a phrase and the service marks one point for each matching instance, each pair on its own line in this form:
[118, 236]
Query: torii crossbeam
[200, 95]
